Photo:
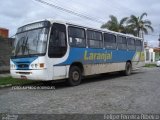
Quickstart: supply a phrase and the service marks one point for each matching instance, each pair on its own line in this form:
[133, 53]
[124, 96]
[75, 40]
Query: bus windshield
[32, 42]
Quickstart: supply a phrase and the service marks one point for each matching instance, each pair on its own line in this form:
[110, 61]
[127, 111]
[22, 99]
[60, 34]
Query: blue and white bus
[53, 50]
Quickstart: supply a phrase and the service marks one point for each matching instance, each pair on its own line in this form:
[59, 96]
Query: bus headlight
[37, 66]
[12, 66]
[32, 65]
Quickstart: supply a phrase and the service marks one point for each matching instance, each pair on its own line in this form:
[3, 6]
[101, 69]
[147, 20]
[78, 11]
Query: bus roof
[94, 28]
[82, 26]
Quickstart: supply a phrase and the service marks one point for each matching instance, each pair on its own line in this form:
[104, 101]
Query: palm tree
[139, 25]
[114, 25]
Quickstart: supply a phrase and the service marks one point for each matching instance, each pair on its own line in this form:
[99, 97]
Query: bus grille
[23, 66]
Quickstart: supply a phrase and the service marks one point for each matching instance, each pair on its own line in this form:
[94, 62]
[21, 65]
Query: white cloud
[15, 13]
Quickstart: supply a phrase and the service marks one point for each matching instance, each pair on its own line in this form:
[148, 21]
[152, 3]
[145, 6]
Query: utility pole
[159, 46]
[159, 41]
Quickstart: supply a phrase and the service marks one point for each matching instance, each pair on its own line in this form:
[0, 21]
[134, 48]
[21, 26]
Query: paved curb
[5, 75]
[3, 86]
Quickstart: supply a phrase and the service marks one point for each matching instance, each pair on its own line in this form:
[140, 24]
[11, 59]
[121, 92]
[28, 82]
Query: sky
[15, 13]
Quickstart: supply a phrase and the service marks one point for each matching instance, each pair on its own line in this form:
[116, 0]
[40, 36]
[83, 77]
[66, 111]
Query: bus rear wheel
[128, 69]
[75, 76]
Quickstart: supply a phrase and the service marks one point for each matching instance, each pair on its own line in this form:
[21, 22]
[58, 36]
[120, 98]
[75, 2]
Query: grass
[150, 65]
[13, 81]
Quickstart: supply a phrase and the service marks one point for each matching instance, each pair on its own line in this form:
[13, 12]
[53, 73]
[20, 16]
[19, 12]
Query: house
[157, 53]
[4, 32]
[149, 53]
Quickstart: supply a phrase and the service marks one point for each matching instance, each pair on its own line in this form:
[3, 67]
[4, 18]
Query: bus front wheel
[75, 76]
[128, 69]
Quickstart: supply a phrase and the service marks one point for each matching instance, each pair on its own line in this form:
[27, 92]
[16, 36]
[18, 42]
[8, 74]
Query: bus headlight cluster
[36, 66]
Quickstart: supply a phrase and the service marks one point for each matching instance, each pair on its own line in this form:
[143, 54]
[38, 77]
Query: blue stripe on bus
[97, 56]
[23, 61]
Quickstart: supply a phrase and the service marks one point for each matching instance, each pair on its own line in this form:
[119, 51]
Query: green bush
[13, 81]
[1, 38]
[150, 65]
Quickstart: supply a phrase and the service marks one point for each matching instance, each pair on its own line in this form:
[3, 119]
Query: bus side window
[94, 39]
[109, 41]
[139, 45]
[57, 42]
[121, 43]
[131, 44]
[76, 37]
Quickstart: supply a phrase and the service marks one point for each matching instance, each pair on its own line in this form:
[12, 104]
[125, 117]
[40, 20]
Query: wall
[5, 53]
[149, 55]
[157, 53]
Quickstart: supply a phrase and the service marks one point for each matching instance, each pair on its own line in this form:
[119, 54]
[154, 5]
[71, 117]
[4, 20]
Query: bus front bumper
[30, 74]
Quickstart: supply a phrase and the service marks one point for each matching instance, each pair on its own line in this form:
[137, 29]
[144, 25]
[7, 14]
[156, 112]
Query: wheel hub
[75, 75]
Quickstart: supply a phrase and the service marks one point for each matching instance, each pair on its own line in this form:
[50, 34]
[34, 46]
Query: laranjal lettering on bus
[97, 56]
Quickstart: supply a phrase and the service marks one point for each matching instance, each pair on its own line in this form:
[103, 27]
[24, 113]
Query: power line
[72, 8]
[77, 13]
[152, 35]
[116, 9]
[71, 12]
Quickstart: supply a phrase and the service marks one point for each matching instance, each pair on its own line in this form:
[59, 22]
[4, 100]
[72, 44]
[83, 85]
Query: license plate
[24, 77]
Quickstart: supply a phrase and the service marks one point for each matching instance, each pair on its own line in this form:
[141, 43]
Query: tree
[114, 25]
[139, 25]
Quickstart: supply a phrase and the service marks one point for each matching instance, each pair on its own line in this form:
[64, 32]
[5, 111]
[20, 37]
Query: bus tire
[128, 69]
[75, 76]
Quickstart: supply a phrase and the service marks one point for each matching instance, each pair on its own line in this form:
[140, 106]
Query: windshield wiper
[20, 42]
[24, 45]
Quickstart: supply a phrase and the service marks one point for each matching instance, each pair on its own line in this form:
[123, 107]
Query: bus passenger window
[57, 42]
[131, 44]
[121, 43]
[139, 45]
[76, 37]
[109, 41]
[94, 39]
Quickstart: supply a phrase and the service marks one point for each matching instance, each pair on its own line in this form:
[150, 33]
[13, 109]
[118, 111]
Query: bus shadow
[102, 77]
[95, 78]
[107, 76]
[86, 80]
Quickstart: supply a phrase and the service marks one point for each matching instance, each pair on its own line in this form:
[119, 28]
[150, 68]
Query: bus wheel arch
[75, 74]
[128, 68]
